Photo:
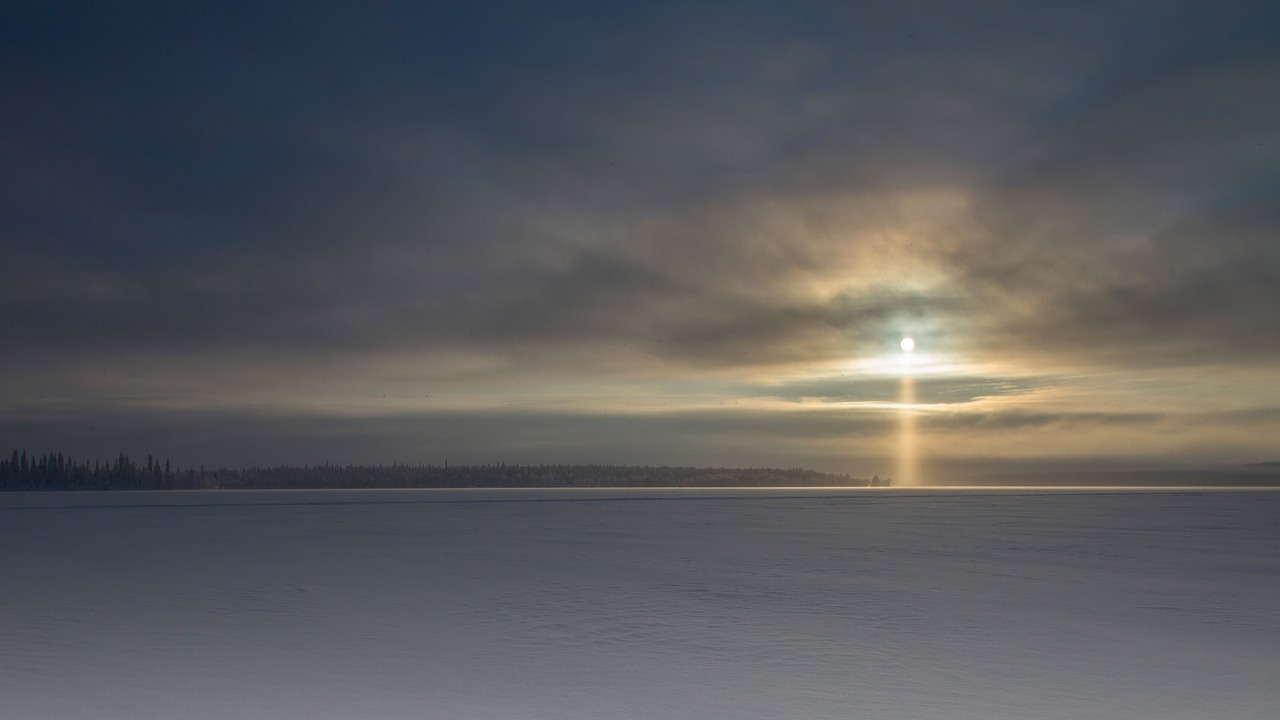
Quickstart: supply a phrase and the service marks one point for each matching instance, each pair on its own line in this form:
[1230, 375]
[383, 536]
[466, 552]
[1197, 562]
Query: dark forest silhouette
[55, 471]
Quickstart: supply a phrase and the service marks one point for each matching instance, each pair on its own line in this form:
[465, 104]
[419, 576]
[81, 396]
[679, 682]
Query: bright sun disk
[908, 344]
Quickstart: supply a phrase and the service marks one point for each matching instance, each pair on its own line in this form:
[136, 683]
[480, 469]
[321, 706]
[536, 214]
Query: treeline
[54, 471]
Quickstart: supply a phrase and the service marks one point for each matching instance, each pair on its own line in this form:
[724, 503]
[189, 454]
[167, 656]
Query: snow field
[718, 604]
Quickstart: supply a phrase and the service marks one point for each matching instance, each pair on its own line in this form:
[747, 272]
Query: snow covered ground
[628, 604]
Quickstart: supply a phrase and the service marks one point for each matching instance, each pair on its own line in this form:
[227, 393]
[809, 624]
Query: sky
[643, 233]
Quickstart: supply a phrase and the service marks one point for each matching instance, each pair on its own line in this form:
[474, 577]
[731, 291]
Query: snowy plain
[885, 604]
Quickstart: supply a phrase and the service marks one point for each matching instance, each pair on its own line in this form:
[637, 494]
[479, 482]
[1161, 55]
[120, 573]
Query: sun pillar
[908, 455]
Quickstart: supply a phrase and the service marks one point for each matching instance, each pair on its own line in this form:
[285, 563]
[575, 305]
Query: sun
[908, 344]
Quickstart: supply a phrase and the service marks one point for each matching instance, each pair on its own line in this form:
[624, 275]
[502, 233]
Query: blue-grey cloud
[953, 389]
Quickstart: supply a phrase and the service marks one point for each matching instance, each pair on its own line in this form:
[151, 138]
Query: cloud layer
[310, 207]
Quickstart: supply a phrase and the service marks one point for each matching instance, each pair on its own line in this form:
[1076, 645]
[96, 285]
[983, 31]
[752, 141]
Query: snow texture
[891, 604]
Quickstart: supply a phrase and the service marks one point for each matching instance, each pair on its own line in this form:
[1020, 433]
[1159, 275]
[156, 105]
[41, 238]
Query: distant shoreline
[54, 471]
[1260, 475]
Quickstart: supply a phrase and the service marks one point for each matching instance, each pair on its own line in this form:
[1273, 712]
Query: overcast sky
[663, 233]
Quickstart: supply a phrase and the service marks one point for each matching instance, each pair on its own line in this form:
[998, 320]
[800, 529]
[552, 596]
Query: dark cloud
[248, 437]
[1020, 419]
[860, 442]
[928, 390]
[1139, 225]
[1202, 291]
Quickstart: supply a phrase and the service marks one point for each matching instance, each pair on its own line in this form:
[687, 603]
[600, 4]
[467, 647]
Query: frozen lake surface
[629, 604]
